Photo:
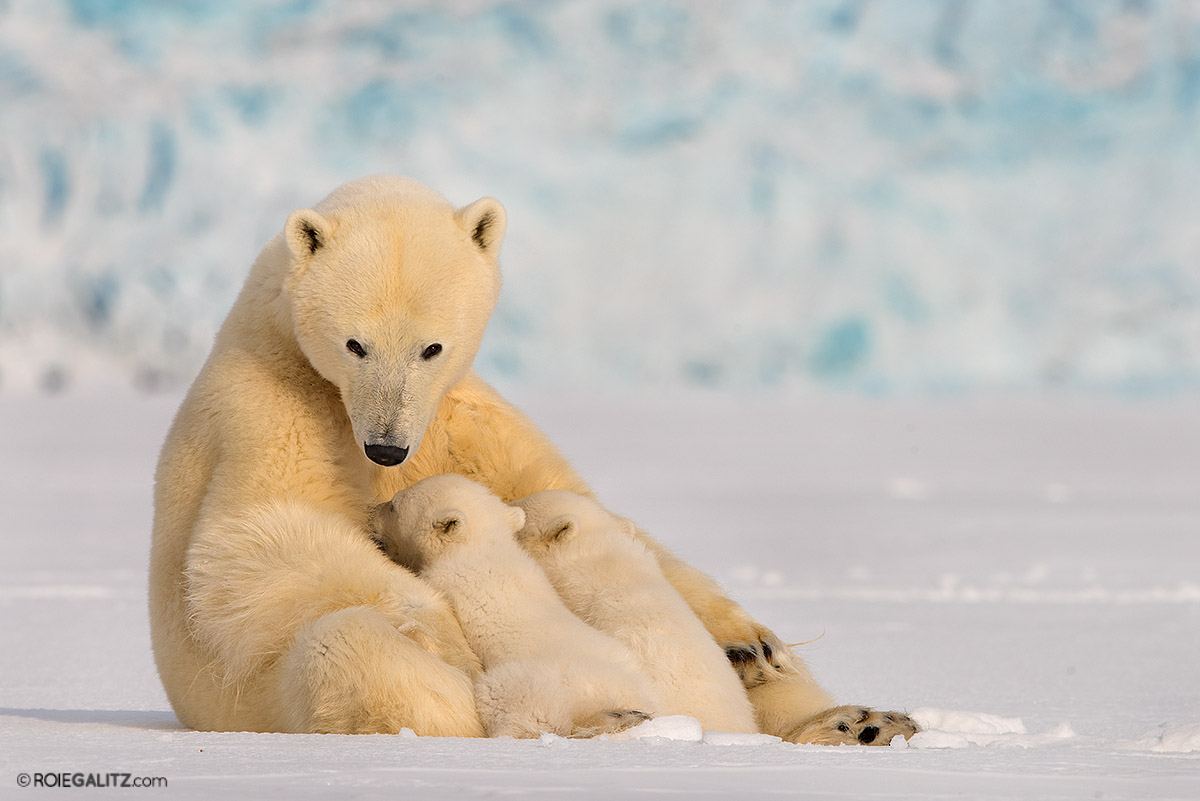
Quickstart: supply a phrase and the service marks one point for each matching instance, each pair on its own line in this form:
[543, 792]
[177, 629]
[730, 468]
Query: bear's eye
[355, 348]
[431, 351]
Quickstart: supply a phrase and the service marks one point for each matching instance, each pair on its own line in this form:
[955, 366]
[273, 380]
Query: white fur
[612, 582]
[544, 670]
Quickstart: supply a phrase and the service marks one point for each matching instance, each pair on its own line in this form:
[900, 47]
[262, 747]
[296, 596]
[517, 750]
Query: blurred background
[900, 197]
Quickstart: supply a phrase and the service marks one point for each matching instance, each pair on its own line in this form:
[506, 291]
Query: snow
[1049, 644]
[1177, 739]
[893, 197]
[945, 728]
[669, 727]
[948, 720]
[740, 738]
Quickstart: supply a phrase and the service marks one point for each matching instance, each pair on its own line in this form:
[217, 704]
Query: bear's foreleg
[350, 672]
[293, 604]
[852, 725]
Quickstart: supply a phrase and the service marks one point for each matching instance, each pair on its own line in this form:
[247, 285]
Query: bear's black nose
[386, 455]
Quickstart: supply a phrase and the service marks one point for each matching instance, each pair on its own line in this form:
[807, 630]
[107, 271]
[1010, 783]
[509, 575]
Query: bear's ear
[306, 232]
[485, 221]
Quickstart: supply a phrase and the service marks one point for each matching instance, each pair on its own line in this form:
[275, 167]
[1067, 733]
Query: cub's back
[508, 609]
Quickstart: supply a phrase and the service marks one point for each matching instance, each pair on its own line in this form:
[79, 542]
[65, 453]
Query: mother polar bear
[342, 375]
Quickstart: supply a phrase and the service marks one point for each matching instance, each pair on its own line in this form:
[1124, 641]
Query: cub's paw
[853, 725]
[759, 660]
[608, 723]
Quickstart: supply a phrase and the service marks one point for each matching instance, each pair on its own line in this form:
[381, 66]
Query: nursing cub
[544, 669]
[612, 582]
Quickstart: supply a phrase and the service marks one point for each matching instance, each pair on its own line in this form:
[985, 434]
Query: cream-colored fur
[268, 609]
[270, 443]
[544, 670]
[299, 583]
[612, 582]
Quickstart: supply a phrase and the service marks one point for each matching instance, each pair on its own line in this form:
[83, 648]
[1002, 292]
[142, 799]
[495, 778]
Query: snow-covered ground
[1024, 576]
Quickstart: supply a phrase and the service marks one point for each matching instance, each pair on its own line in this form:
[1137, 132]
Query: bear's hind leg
[853, 725]
[787, 701]
[795, 708]
[351, 671]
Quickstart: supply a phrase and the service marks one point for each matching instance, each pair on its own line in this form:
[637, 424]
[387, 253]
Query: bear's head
[558, 520]
[439, 514]
[389, 289]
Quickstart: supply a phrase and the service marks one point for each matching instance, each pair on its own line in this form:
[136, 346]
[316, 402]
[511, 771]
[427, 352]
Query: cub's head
[557, 520]
[390, 288]
[439, 514]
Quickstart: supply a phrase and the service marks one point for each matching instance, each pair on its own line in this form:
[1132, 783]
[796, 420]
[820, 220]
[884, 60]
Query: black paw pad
[868, 734]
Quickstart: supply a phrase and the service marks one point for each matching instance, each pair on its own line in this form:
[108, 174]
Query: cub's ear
[448, 525]
[306, 232]
[516, 518]
[485, 221]
[381, 517]
[560, 529]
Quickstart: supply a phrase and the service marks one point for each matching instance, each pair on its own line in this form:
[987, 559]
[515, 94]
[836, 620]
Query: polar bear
[611, 581]
[544, 669]
[342, 375]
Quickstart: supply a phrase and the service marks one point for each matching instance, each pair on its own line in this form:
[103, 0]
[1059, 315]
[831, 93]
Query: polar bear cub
[610, 580]
[544, 670]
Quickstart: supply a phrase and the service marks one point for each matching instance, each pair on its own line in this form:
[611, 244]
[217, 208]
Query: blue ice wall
[888, 197]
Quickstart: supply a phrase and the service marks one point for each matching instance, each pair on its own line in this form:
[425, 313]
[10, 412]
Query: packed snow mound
[946, 728]
[687, 729]
[737, 738]
[1171, 739]
[668, 727]
[679, 728]
[966, 722]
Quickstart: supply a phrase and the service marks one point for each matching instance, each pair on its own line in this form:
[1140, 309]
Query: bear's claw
[617, 720]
